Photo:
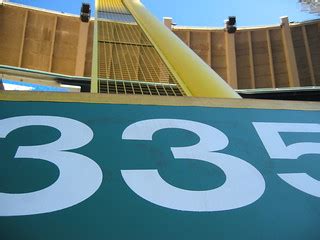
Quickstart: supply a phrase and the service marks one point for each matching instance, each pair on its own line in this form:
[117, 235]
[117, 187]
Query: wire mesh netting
[128, 63]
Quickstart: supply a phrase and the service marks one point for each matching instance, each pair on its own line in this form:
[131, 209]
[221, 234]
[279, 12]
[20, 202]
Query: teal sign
[104, 171]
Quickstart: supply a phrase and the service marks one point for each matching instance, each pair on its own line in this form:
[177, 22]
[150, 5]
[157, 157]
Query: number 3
[79, 176]
[244, 184]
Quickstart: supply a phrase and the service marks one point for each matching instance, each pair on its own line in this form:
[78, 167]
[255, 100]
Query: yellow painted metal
[115, 6]
[26, 96]
[192, 73]
[94, 69]
[128, 63]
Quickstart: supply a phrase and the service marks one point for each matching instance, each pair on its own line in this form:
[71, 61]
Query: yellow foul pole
[94, 68]
[192, 73]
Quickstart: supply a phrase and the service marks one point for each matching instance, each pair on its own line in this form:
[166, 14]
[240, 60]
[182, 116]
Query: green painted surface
[114, 211]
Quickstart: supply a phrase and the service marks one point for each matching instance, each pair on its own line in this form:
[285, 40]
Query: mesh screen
[128, 63]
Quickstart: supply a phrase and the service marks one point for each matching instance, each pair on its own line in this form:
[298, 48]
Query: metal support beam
[273, 80]
[94, 69]
[231, 60]
[252, 74]
[289, 53]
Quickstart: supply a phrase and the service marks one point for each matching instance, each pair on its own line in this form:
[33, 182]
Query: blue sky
[202, 12]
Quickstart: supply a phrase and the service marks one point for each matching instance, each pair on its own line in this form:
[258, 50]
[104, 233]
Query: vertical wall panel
[23, 37]
[313, 34]
[87, 68]
[11, 31]
[66, 43]
[218, 53]
[279, 59]
[200, 45]
[184, 36]
[310, 65]
[38, 41]
[243, 60]
[271, 65]
[252, 75]
[301, 56]
[261, 59]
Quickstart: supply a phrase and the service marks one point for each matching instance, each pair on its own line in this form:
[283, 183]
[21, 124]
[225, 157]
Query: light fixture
[230, 24]
[85, 12]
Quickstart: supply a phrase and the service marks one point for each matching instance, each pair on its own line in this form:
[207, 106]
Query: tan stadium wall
[43, 40]
[259, 57]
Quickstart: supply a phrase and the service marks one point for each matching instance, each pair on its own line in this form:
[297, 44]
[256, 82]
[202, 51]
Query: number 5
[276, 148]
